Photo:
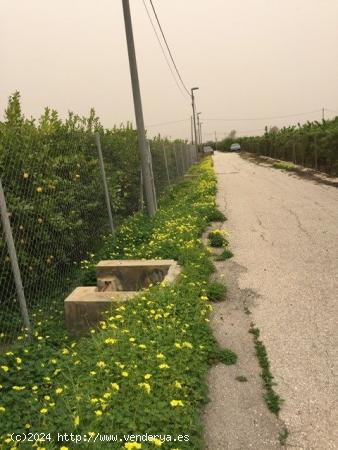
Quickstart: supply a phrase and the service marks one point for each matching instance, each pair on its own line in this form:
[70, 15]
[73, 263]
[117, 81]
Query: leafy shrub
[217, 238]
[215, 291]
[227, 357]
[226, 254]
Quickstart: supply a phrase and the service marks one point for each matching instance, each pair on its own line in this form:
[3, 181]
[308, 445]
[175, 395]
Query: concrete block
[85, 305]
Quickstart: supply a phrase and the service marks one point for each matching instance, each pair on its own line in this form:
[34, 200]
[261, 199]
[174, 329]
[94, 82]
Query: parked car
[235, 147]
[207, 150]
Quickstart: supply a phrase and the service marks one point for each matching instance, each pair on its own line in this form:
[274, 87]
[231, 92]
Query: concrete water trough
[117, 281]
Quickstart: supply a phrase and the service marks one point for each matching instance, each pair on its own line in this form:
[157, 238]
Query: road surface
[284, 235]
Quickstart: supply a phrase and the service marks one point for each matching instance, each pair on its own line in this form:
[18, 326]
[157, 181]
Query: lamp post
[194, 117]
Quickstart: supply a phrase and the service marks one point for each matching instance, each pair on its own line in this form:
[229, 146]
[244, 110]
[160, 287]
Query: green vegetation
[226, 254]
[227, 357]
[50, 173]
[283, 435]
[284, 166]
[216, 291]
[143, 370]
[241, 379]
[217, 238]
[314, 144]
[216, 216]
[271, 398]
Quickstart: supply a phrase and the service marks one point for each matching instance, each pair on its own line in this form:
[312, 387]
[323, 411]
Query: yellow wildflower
[132, 445]
[157, 442]
[163, 366]
[175, 403]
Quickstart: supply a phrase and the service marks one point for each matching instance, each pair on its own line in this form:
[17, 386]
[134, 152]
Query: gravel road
[284, 234]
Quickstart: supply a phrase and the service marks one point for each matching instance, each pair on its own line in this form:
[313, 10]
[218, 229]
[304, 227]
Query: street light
[194, 116]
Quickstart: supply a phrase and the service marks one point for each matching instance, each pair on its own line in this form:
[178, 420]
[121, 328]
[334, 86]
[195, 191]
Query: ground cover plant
[217, 238]
[284, 166]
[272, 399]
[143, 370]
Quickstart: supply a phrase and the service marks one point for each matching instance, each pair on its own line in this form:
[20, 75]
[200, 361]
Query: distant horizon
[250, 59]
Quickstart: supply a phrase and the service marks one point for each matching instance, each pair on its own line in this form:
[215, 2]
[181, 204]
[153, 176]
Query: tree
[232, 134]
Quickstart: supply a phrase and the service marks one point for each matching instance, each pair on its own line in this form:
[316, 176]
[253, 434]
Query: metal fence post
[14, 260]
[104, 180]
[166, 162]
[176, 161]
[152, 176]
[182, 158]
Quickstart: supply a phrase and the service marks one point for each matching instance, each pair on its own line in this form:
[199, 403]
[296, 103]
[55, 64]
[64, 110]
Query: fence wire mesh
[56, 203]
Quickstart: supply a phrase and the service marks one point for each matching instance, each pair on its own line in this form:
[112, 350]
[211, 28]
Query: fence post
[176, 161]
[14, 260]
[152, 176]
[166, 162]
[182, 158]
[141, 190]
[104, 180]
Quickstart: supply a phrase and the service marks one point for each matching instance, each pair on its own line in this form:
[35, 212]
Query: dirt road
[284, 234]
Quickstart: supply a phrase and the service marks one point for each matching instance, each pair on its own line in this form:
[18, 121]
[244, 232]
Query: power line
[169, 51]
[163, 52]
[266, 118]
[167, 123]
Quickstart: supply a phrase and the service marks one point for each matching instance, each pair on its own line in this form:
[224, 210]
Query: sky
[251, 59]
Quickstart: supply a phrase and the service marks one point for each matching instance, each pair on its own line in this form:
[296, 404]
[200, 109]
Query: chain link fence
[56, 213]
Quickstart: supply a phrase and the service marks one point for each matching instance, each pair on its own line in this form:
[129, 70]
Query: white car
[235, 147]
[207, 150]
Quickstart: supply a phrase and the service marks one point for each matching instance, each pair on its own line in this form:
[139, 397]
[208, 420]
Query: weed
[216, 215]
[227, 357]
[271, 398]
[216, 291]
[284, 165]
[241, 378]
[283, 435]
[226, 254]
[217, 238]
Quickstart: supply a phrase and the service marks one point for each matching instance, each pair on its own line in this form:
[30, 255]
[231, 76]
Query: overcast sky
[250, 59]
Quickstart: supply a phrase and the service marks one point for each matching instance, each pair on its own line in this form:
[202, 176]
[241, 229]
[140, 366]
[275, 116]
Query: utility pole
[201, 138]
[215, 140]
[194, 117]
[198, 128]
[142, 141]
[323, 113]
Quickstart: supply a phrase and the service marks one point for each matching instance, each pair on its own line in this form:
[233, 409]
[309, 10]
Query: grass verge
[284, 166]
[272, 399]
[143, 370]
